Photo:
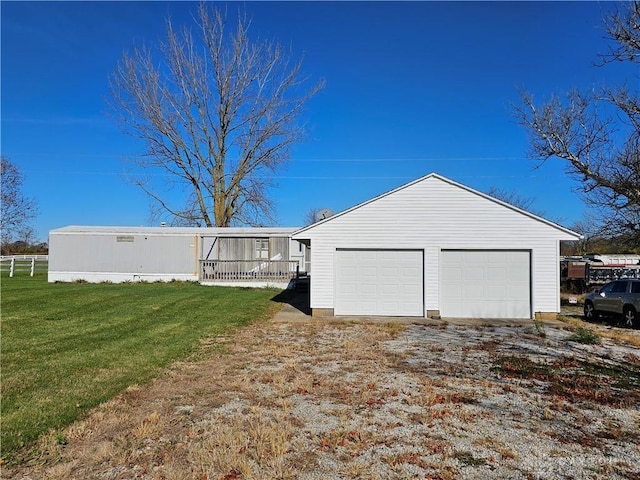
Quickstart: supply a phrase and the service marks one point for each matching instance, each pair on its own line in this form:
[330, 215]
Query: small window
[262, 248]
[635, 287]
[619, 287]
[608, 288]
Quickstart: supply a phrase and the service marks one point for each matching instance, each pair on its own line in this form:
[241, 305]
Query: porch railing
[248, 270]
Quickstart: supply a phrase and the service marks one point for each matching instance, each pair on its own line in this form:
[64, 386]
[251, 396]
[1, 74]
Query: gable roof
[451, 182]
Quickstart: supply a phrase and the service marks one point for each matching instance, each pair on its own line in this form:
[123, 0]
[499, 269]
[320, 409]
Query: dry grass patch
[245, 444]
[619, 335]
[496, 445]
[571, 380]
[311, 401]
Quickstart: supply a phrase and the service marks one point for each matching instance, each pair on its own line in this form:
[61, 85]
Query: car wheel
[590, 312]
[630, 317]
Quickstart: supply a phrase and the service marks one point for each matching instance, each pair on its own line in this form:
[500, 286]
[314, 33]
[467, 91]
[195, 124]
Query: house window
[262, 248]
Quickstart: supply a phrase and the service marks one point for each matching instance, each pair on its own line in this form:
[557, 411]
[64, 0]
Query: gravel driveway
[312, 400]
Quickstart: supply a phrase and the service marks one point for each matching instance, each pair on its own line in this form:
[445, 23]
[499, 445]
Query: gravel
[334, 400]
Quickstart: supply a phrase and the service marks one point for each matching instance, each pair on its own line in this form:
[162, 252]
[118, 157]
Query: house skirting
[118, 277]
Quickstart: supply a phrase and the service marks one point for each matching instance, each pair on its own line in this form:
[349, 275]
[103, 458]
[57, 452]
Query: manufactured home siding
[235, 248]
[431, 215]
[154, 253]
[126, 253]
[279, 248]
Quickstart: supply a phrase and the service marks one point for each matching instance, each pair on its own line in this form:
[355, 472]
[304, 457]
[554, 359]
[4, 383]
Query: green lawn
[69, 347]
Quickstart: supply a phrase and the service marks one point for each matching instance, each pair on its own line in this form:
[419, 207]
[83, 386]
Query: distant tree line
[600, 244]
[21, 247]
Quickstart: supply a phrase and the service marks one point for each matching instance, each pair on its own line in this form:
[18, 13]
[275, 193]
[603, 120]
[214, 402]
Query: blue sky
[412, 88]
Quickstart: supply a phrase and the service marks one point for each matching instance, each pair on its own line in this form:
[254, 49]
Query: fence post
[33, 265]
[12, 267]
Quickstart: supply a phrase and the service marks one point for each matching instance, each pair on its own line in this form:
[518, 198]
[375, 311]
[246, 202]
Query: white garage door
[379, 282]
[485, 284]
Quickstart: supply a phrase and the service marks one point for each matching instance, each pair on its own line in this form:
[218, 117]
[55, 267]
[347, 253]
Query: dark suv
[620, 297]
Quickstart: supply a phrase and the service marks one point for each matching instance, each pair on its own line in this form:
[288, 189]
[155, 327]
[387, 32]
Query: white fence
[13, 264]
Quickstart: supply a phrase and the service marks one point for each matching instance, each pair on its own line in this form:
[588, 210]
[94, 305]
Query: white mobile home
[238, 256]
[435, 247]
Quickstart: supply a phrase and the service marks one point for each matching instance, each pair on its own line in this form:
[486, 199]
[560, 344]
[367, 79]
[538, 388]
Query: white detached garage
[435, 247]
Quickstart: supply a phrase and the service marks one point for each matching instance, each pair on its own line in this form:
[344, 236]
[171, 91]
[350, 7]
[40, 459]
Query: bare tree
[314, 215]
[311, 216]
[17, 209]
[588, 228]
[597, 134]
[218, 115]
[515, 199]
[622, 27]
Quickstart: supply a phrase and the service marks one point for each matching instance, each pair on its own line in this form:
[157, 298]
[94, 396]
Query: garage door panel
[452, 274]
[515, 291]
[496, 274]
[474, 273]
[411, 272]
[367, 272]
[485, 284]
[390, 289]
[390, 272]
[411, 291]
[473, 292]
[497, 293]
[380, 282]
[388, 308]
[410, 309]
[349, 287]
[519, 277]
[369, 290]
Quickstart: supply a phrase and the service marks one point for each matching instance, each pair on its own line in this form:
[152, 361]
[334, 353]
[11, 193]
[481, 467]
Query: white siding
[434, 214]
[321, 279]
